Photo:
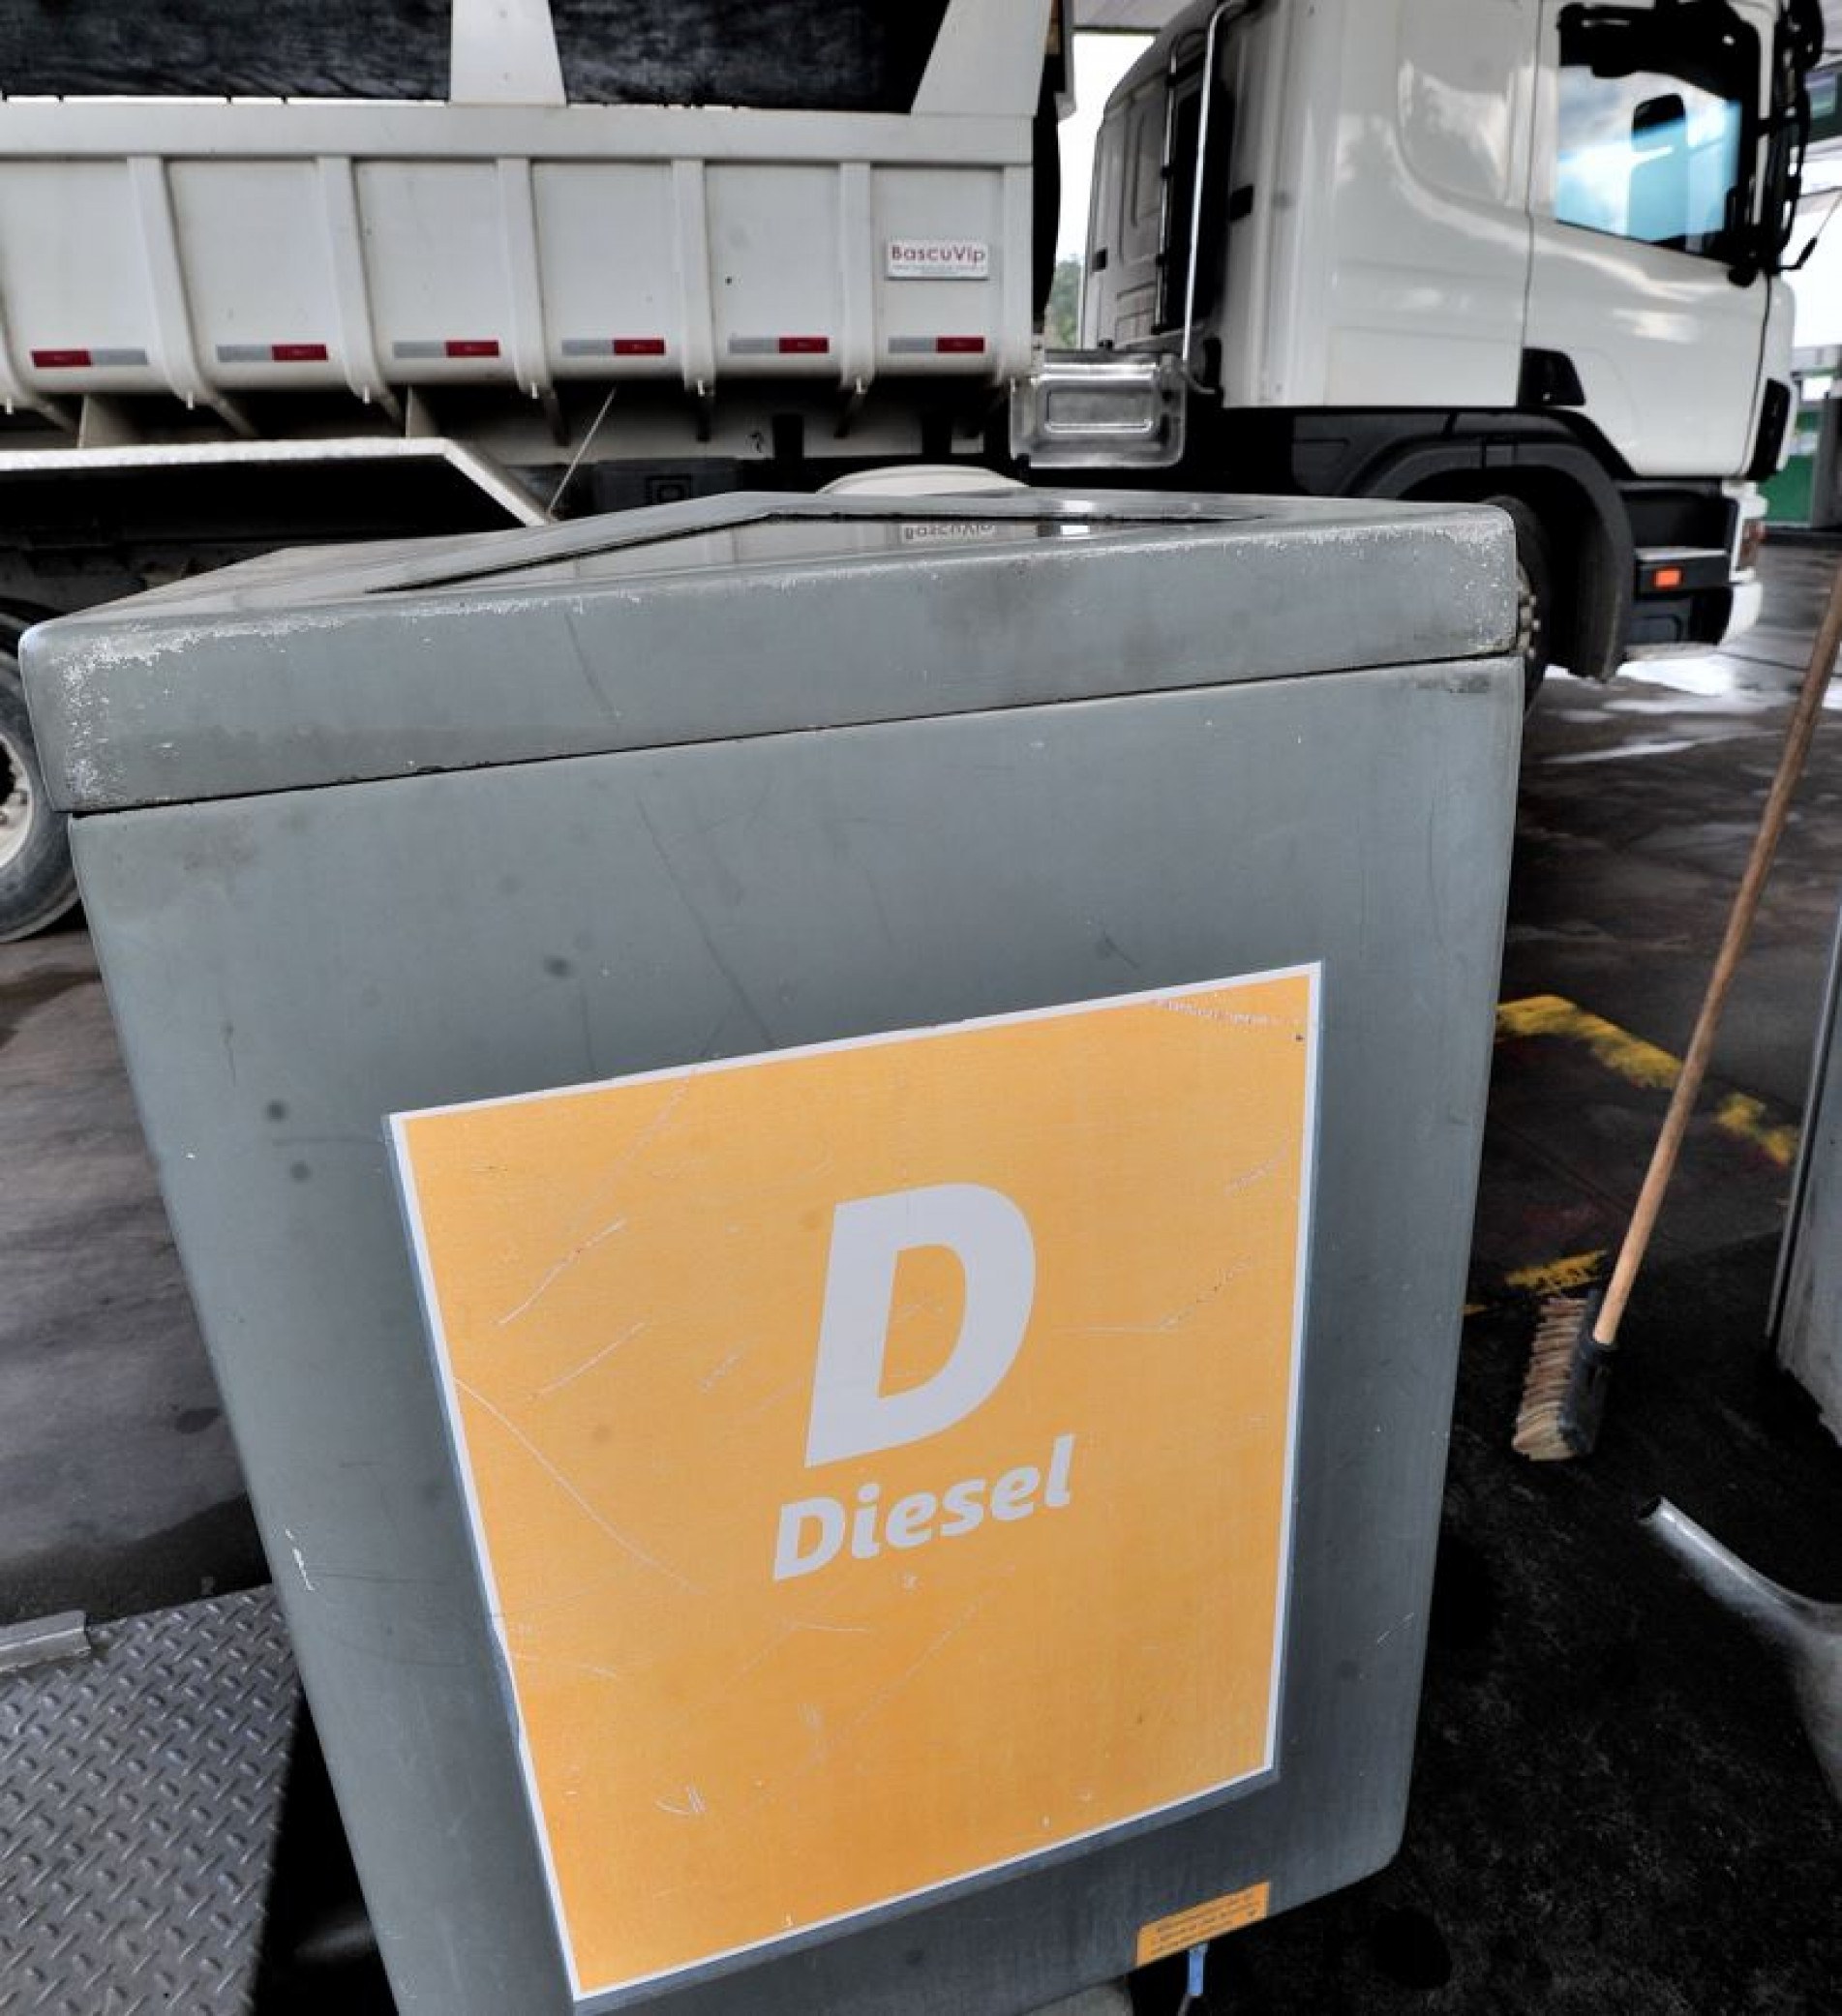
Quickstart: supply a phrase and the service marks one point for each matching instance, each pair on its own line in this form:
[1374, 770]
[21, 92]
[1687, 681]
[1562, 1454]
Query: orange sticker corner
[1185, 1929]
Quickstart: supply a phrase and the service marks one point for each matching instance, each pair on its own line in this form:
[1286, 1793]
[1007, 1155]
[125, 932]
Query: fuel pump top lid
[722, 617]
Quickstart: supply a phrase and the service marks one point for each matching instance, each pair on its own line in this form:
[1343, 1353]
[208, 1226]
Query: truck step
[139, 1809]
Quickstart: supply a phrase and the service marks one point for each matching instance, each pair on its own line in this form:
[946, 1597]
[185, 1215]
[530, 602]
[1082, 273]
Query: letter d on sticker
[990, 1238]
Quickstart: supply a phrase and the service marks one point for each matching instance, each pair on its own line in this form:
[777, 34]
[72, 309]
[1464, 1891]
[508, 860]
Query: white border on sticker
[938, 259]
[610, 1995]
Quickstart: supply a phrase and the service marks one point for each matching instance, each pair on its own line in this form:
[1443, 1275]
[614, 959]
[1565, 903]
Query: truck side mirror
[1658, 193]
[1657, 113]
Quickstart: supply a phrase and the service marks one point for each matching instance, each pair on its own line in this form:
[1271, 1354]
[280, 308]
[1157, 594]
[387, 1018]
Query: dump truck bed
[216, 248]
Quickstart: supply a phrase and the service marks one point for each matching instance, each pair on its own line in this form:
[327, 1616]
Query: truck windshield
[1647, 156]
[1658, 125]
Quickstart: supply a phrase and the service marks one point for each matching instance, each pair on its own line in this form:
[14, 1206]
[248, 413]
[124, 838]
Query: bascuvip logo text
[938, 259]
[853, 1417]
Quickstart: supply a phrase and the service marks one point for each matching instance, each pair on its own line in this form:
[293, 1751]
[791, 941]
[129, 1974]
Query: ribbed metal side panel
[139, 1798]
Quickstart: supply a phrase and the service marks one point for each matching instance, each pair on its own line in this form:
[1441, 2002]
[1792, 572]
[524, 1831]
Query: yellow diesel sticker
[879, 1455]
[1183, 1930]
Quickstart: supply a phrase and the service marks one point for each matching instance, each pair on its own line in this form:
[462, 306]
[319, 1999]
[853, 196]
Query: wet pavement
[119, 1489]
[1638, 804]
[1614, 1805]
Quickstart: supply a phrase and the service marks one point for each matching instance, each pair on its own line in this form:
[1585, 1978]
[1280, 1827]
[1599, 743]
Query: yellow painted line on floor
[1652, 1070]
[1647, 1066]
[1747, 1119]
[1629, 1056]
[1558, 1276]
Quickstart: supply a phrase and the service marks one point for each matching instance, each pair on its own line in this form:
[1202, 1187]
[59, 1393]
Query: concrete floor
[1613, 1806]
[119, 1489]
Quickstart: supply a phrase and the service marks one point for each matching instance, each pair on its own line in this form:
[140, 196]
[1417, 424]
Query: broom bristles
[1544, 1431]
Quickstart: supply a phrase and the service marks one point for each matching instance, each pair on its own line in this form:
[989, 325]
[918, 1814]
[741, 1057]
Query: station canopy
[1125, 17]
[1147, 17]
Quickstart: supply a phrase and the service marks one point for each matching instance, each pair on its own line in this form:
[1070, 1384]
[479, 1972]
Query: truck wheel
[37, 883]
[1534, 595]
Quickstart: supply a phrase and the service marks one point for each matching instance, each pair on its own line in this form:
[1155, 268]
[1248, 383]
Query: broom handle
[1739, 923]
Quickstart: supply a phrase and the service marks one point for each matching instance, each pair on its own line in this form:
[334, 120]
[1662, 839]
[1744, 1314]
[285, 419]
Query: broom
[1570, 1361]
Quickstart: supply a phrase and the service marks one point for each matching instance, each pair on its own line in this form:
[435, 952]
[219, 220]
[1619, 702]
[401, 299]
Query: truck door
[1124, 229]
[1642, 193]
[1146, 210]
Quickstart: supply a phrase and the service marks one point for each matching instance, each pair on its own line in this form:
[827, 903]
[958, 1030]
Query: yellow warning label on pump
[1182, 1930]
[879, 1455]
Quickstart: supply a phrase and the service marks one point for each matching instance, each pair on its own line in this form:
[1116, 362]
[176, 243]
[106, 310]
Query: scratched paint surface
[626, 1283]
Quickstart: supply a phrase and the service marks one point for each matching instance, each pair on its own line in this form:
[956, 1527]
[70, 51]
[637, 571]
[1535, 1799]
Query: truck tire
[1534, 595]
[37, 883]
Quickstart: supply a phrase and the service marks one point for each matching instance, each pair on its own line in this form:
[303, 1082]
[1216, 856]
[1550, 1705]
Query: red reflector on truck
[96, 357]
[780, 346]
[471, 346]
[959, 345]
[271, 354]
[614, 347]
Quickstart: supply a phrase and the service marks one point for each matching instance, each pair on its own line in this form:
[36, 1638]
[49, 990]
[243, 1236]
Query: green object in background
[1787, 493]
[1791, 493]
[1826, 104]
[1062, 318]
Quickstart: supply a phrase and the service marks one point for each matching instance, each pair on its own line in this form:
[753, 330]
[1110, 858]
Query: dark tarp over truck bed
[817, 55]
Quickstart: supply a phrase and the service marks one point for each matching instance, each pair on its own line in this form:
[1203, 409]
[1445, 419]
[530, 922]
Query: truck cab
[1526, 253]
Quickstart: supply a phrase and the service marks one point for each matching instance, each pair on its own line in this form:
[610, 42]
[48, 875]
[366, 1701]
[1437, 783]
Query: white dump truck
[1523, 252]
[330, 268]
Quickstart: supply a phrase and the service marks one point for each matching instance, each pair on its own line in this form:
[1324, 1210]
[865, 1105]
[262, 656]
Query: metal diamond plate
[139, 1798]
